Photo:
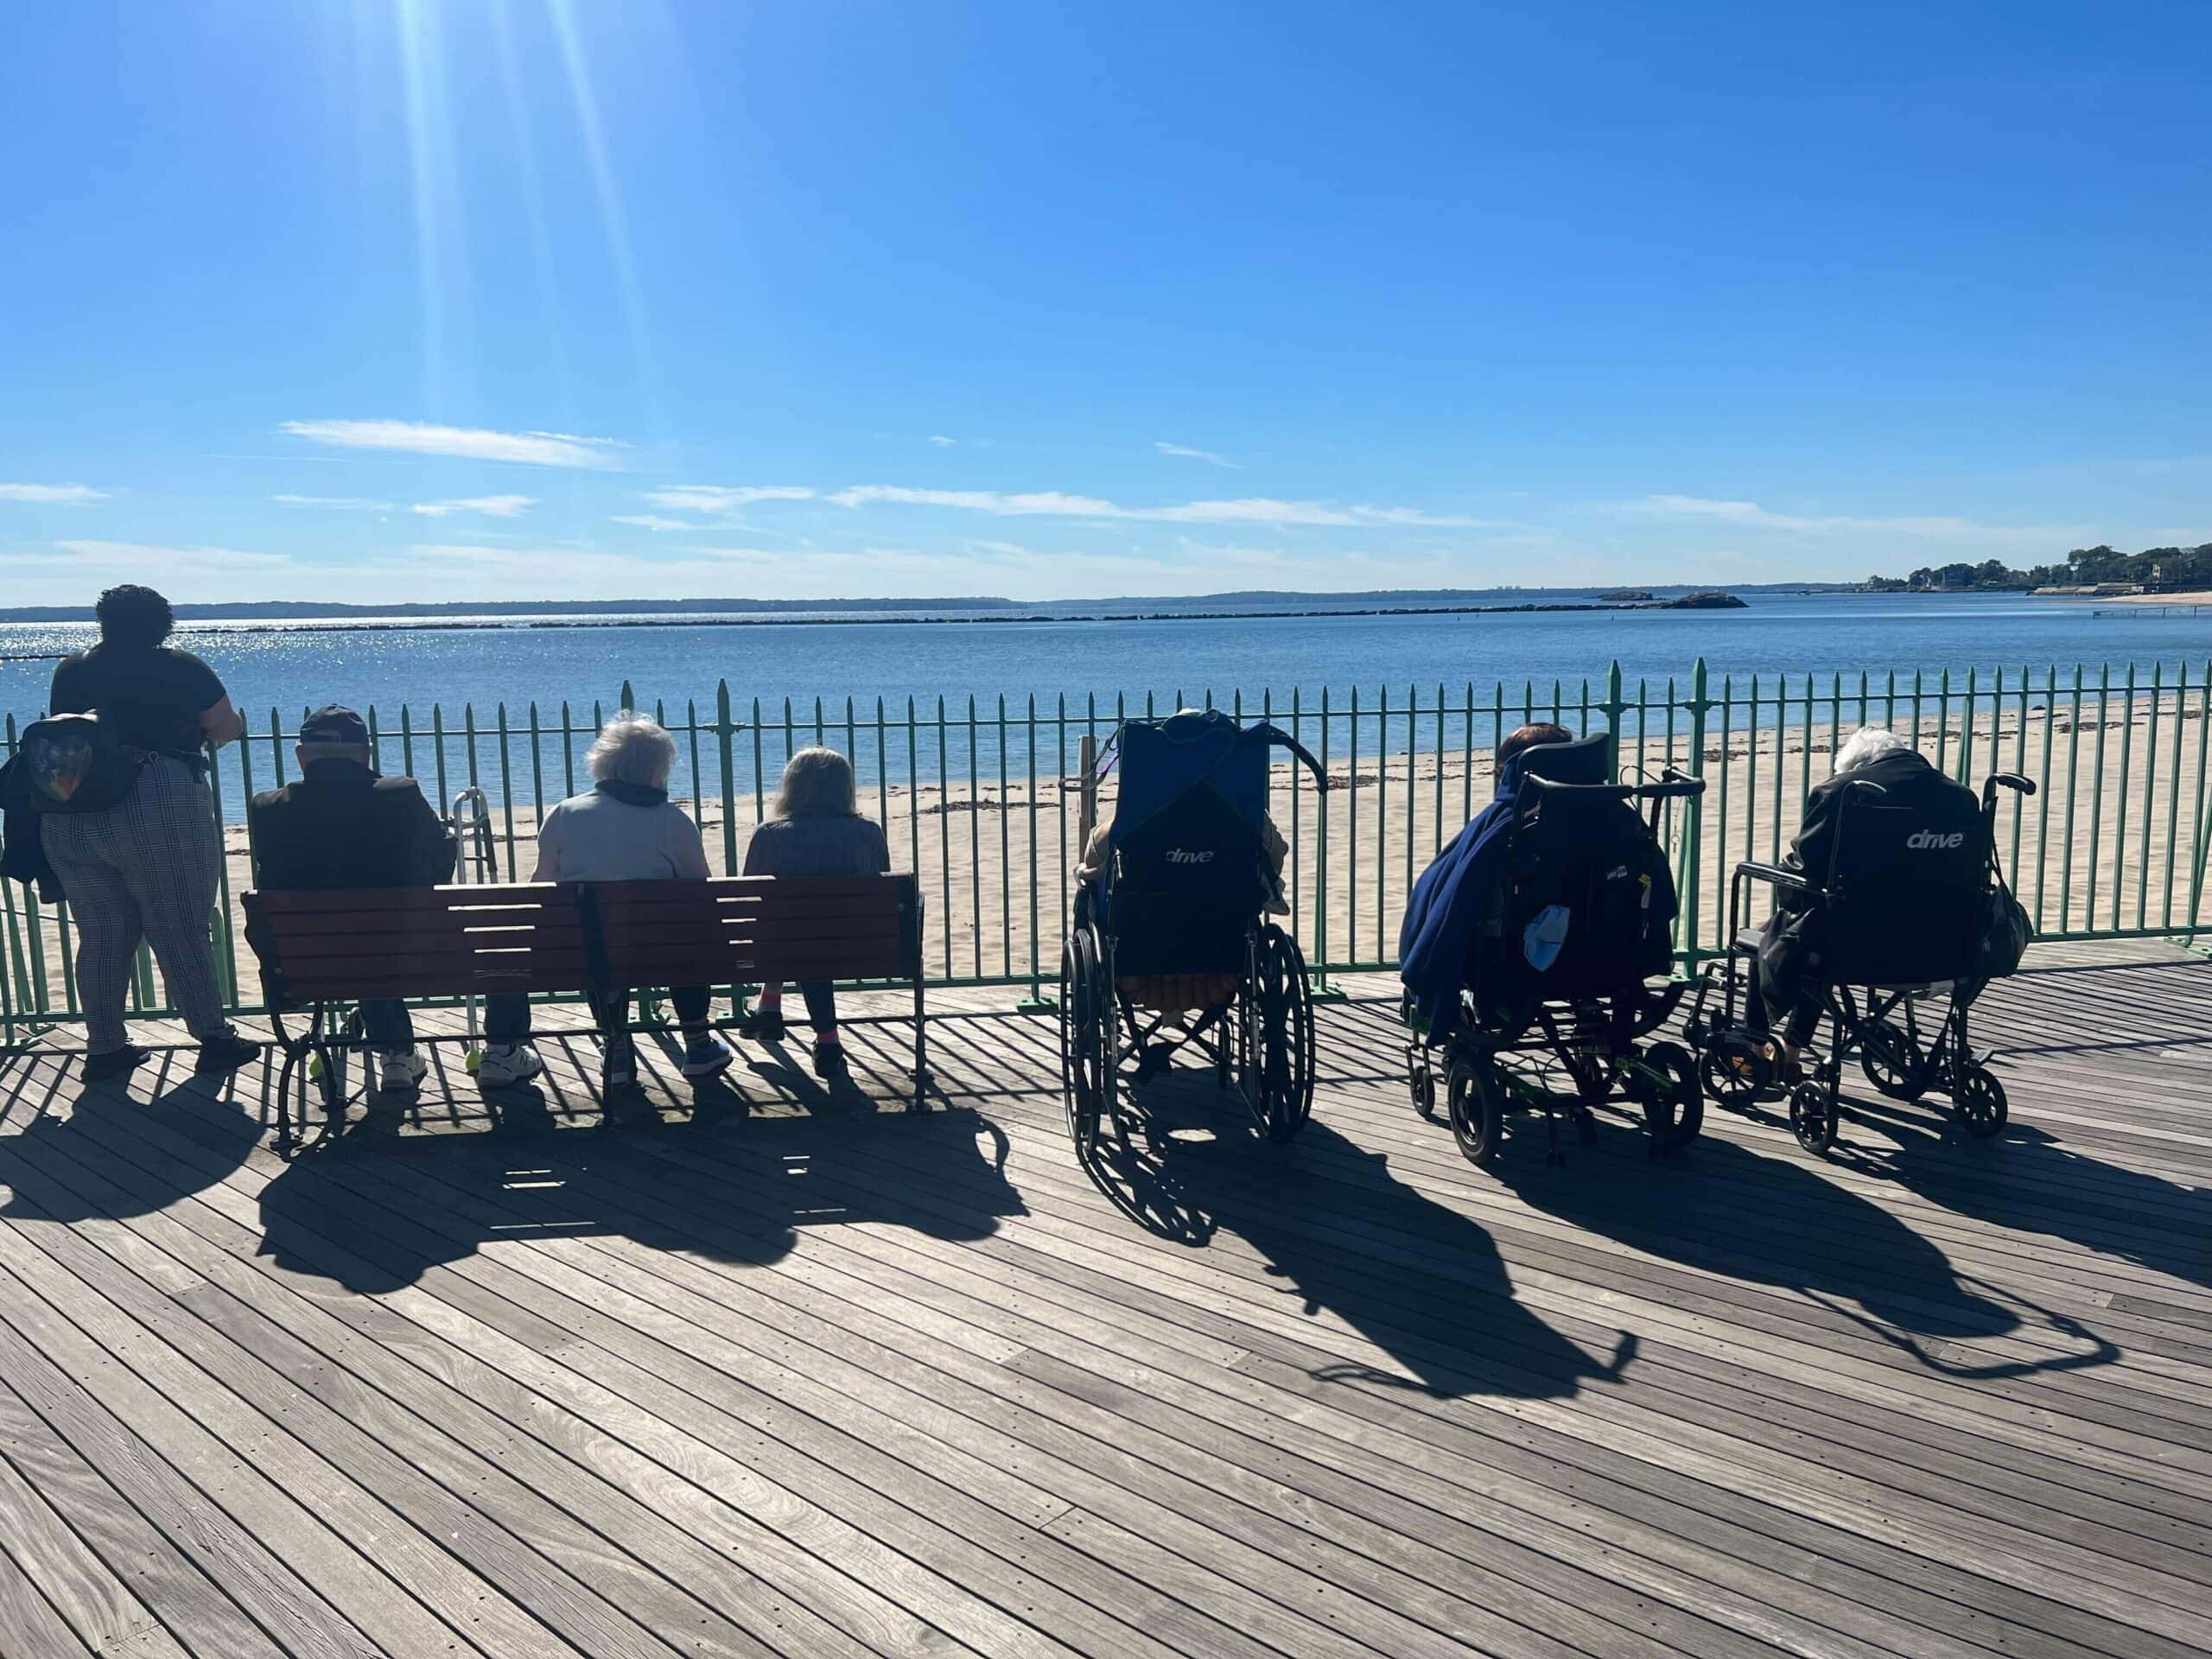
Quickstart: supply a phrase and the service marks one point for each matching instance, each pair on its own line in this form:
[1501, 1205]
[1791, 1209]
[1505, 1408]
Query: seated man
[1790, 989]
[1449, 898]
[342, 825]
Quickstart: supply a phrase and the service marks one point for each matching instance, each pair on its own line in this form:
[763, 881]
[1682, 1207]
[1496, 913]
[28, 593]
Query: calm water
[287, 669]
[295, 667]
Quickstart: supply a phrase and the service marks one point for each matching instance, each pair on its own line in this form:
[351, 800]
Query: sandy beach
[995, 864]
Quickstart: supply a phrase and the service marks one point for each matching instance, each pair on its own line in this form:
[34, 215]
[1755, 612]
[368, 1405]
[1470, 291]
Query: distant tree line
[2162, 566]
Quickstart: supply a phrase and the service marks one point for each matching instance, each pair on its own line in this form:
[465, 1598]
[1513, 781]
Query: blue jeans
[391, 1029]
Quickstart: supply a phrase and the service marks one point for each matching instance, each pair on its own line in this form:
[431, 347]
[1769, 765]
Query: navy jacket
[1445, 905]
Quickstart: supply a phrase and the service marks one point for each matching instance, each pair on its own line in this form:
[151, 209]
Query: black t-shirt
[154, 696]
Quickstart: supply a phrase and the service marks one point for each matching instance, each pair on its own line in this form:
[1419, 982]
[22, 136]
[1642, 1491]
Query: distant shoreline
[528, 623]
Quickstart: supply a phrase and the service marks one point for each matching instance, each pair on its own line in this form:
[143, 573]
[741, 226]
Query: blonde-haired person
[625, 828]
[817, 831]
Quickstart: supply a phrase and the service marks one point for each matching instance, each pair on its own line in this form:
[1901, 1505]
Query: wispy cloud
[138, 557]
[720, 499]
[334, 503]
[490, 506]
[1189, 454]
[654, 521]
[1250, 510]
[941, 441]
[1749, 515]
[459, 442]
[52, 495]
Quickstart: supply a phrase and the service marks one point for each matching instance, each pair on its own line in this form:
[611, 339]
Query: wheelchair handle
[1675, 788]
[1780, 875]
[2011, 780]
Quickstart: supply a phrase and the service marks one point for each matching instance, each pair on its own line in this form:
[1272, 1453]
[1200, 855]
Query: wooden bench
[755, 930]
[321, 950]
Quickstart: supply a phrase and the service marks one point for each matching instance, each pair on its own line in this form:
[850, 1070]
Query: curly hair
[134, 616]
[632, 748]
[817, 784]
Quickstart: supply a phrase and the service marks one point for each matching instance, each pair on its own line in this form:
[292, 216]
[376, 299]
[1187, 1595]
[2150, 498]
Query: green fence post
[1691, 879]
[1613, 705]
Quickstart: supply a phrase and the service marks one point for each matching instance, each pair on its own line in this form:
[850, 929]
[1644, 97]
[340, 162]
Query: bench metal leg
[922, 1079]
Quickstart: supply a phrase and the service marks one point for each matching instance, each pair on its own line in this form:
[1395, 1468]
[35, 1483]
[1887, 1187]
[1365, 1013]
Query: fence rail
[979, 797]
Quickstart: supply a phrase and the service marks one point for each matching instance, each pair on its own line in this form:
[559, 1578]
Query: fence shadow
[128, 1147]
[1354, 1245]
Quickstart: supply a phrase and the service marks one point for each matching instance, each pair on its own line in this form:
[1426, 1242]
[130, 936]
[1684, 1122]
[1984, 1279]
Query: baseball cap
[335, 723]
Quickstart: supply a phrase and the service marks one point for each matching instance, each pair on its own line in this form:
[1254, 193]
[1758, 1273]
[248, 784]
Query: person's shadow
[72, 1151]
[2029, 1181]
[1728, 1209]
[1415, 1278]
[375, 1213]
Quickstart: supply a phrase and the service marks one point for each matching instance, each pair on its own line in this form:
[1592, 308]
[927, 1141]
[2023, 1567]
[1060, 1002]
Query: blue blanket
[1445, 906]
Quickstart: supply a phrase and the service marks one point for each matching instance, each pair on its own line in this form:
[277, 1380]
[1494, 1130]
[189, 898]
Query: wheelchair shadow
[1728, 1211]
[97, 1159]
[375, 1215]
[1356, 1247]
[2027, 1180]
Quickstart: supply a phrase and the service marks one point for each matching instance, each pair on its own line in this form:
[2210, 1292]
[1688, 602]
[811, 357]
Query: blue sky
[365, 299]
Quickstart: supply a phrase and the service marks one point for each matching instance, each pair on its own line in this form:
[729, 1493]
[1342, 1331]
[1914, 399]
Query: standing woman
[146, 868]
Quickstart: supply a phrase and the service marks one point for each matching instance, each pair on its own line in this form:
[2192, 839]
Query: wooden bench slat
[390, 901]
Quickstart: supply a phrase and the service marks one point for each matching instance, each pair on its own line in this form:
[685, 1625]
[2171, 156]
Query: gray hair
[1867, 743]
[817, 784]
[632, 748]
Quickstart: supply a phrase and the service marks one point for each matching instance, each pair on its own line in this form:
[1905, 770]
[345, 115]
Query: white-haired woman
[1789, 992]
[817, 829]
[626, 828]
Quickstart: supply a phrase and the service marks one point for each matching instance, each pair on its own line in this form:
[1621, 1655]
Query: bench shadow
[375, 1213]
[1347, 1239]
[1721, 1207]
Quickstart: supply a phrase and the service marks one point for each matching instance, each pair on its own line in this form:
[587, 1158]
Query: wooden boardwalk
[803, 1374]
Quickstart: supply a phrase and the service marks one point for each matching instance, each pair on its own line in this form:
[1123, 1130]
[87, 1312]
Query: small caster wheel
[1422, 1087]
[1813, 1117]
[1981, 1103]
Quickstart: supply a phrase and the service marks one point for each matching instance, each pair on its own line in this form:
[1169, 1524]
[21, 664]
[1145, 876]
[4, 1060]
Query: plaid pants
[145, 870]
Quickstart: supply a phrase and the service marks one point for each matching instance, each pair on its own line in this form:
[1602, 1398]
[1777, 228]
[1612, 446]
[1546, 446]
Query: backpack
[75, 763]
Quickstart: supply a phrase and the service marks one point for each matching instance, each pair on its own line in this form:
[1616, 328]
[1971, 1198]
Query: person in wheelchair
[1890, 893]
[1790, 990]
[1536, 930]
[1171, 931]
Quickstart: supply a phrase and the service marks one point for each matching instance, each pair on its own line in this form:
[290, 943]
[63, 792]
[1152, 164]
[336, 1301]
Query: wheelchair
[1576, 843]
[1168, 950]
[1902, 903]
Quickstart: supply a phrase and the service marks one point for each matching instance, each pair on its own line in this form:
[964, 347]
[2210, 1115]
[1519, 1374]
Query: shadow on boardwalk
[1356, 1246]
[376, 1214]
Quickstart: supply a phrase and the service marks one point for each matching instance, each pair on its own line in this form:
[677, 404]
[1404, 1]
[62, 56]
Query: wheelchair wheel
[1278, 1051]
[1420, 1084]
[1813, 1114]
[1733, 1071]
[1087, 1056]
[1980, 1100]
[1673, 1107]
[1892, 1062]
[1475, 1099]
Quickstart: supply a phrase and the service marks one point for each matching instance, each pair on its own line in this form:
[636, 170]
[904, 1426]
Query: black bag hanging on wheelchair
[1592, 901]
[75, 763]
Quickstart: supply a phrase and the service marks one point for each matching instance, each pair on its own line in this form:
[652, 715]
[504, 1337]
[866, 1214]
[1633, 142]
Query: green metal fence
[981, 797]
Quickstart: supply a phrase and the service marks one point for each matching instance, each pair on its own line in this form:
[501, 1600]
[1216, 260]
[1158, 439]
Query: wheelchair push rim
[1274, 1039]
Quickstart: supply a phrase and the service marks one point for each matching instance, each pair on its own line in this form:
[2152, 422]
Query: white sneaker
[709, 1057]
[505, 1063]
[401, 1073]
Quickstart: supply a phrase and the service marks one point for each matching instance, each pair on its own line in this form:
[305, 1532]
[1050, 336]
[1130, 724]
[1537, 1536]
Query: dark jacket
[1447, 903]
[22, 842]
[343, 826]
[1797, 934]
